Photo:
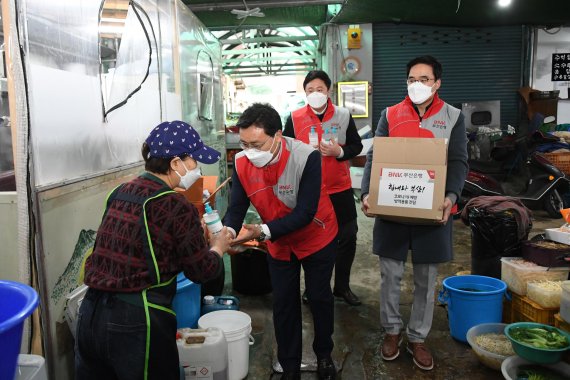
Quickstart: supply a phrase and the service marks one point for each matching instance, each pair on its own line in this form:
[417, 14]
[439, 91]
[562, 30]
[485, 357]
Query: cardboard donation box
[196, 192]
[407, 181]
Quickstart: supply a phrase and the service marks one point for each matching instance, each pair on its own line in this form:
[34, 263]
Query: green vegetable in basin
[538, 373]
[539, 337]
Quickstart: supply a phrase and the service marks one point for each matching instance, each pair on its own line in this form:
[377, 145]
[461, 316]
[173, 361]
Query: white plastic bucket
[236, 326]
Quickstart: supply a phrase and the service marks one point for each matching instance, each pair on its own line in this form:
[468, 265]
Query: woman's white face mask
[419, 92]
[188, 179]
[259, 158]
[317, 99]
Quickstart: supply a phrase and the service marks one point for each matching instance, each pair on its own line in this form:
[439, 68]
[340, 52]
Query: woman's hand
[221, 241]
[205, 230]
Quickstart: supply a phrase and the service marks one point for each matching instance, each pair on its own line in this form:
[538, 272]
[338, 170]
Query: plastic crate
[546, 253]
[560, 159]
[517, 274]
[538, 95]
[561, 323]
[525, 310]
[507, 311]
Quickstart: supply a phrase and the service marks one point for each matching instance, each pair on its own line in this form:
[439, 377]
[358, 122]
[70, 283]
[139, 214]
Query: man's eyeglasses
[244, 145]
[422, 80]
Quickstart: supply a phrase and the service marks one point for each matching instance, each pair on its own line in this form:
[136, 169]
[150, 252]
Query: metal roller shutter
[478, 64]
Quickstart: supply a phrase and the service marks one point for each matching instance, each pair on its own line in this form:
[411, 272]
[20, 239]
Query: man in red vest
[281, 177]
[421, 114]
[339, 145]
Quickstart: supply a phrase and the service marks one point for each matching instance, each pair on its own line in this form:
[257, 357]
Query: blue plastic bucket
[472, 300]
[17, 302]
[186, 303]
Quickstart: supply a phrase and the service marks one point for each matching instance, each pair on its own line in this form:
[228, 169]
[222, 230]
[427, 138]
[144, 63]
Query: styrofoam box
[548, 299]
[557, 235]
[565, 302]
[232, 138]
[30, 367]
[74, 300]
[517, 276]
[356, 177]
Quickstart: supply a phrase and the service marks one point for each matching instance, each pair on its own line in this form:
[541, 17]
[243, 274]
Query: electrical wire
[122, 103]
[546, 30]
[332, 20]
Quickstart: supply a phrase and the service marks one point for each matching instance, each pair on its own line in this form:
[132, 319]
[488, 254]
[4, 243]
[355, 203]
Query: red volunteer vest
[404, 121]
[336, 174]
[261, 187]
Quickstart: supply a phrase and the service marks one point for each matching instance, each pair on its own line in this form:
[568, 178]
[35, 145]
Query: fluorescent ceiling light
[504, 3]
[254, 12]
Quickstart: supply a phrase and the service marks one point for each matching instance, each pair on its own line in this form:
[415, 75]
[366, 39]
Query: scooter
[512, 172]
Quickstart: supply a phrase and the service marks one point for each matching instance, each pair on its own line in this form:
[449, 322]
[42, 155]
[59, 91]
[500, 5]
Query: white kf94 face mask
[188, 179]
[419, 92]
[259, 158]
[317, 99]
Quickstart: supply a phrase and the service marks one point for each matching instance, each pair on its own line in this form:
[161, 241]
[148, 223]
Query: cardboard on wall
[195, 193]
[407, 180]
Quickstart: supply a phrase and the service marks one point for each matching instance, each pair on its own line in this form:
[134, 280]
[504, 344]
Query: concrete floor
[357, 334]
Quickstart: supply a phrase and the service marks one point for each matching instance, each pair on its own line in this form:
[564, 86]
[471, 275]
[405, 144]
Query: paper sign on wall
[406, 188]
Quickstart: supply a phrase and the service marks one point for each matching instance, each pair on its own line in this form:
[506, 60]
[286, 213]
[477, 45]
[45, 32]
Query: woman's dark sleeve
[198, 262]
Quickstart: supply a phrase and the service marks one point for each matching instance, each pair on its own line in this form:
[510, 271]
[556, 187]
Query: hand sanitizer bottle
[334, 134]
[327, 136]
[313, 137]
[205, 195]
[212, 219]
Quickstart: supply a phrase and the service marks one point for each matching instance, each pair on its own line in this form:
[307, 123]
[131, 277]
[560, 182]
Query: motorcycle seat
[488, 167]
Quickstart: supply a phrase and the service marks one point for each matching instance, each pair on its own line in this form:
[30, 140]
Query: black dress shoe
[304, 298]
[349, 297]
[291, 376]
[326, 369]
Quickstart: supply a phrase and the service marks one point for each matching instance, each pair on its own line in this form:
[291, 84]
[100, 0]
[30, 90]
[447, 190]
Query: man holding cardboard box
[411, 185]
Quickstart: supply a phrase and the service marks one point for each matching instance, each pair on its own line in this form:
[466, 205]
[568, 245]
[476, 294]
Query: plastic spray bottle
[334, 134]
[212, 219]
[205, 195]
[313, 137]
[327, 136]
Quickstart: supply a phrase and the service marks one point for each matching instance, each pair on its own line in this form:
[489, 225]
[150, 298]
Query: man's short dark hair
[262, 116]
[317, 74]
[426, 60]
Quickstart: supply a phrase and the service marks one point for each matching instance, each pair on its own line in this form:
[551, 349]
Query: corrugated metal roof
[216, 13]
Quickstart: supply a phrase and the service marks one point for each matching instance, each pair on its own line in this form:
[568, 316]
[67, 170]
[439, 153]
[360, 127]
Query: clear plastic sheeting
[70, 138]
[136, 41]
[200, 77]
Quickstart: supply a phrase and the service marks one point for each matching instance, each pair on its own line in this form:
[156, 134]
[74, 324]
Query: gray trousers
[421, 317]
